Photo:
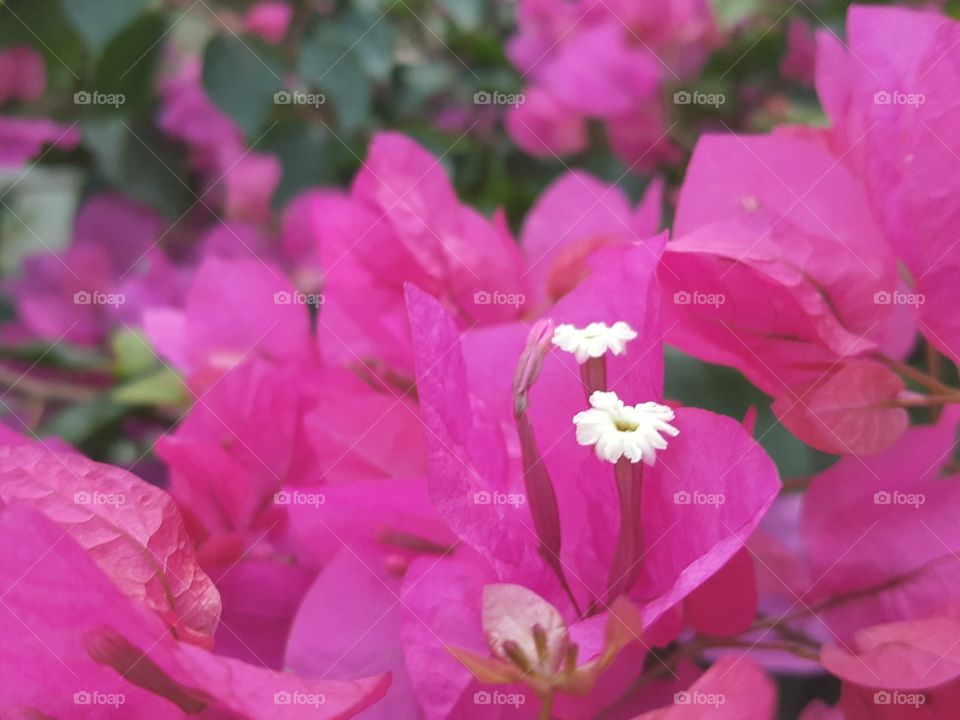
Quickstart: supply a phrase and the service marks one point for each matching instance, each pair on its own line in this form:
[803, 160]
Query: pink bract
[469, 457]
[893, 119]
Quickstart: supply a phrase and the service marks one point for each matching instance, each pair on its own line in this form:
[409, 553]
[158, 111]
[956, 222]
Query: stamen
[540, 641]
[570, 654]
[512, 650]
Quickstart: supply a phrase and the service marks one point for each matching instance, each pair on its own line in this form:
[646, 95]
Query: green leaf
[420, 82]
[730, 13]
[132, 352]
[241, 77]
[127, 64]
[135, 157]
[308, 156]
[80, 422]
[371, 38]
[328, 62]
[39, 211]
[467, 14]
[99, 20]
[164, 387]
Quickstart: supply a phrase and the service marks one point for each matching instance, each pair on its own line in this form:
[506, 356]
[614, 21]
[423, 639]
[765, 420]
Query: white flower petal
[593, 341]
[617, 430]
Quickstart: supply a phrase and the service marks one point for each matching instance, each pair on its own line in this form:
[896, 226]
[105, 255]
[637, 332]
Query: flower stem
[594, 375]
[53, 390]
[927, 401]
[921, 378]
[626, 559]
[547, 708]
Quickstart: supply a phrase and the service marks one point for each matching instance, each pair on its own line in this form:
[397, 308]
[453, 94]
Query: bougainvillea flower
[395, 517]
[255, 493]
[326, 426]
[203, 338]
[237, 178]
[799, 62]
[627, 75]
[616, 431]
[365, 535]
[269, 19]
[227, 467]
[226, 462]
[774, 230]
[131, 529]
[894, 120]
[22, 139]
[575, 216]
[825, 273]
[23, 75]
[540, 125]
[604, 62]
[348, 625]
[402, 222]
[530, 642]
[880, 531]
[78, 295]
[188, 115]
[711, 458]
[73, 640]
[899, 670]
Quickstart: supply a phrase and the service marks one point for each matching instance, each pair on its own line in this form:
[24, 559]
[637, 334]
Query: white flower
[632, 431]
[594, 340]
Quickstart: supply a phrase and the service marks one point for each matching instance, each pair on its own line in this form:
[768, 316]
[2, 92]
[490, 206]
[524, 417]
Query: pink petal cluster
[605, 62]
[105, 606]
[112, 269]
[380, 502]
[813, 266]
[236, 176]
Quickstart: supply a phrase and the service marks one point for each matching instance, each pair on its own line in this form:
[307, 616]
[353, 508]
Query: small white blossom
[594, 340]
[631, 431]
